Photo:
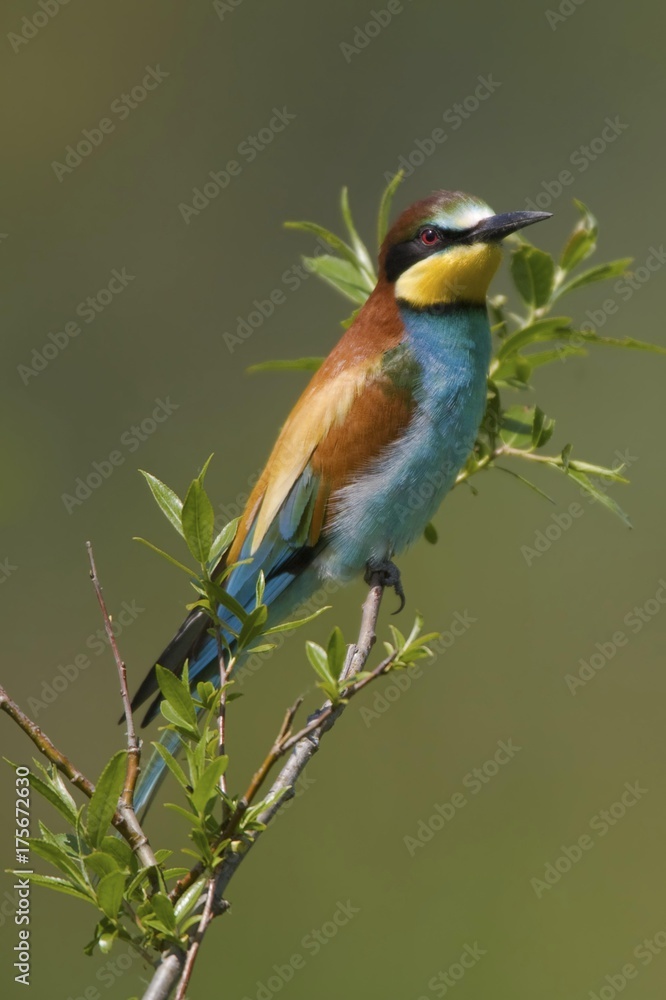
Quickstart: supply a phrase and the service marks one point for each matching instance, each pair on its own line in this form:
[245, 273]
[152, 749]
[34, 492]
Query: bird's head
[445, 249]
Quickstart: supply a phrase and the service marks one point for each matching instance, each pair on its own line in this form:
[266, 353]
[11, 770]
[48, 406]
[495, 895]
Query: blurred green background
[556, 80]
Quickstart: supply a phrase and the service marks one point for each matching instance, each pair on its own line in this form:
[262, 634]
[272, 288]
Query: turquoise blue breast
[386, 509]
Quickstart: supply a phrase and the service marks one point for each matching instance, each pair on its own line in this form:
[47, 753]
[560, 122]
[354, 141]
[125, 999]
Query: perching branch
[176, 964]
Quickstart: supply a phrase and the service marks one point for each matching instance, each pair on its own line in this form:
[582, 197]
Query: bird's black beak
[496, 227]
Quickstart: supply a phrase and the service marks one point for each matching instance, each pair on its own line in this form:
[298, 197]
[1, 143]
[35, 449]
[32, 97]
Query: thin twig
[139, 840]
[195, 943]
[45, 746]
[133, 746]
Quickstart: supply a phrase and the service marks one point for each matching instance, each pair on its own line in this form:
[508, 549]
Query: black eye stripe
[445, 234]
[402, 256]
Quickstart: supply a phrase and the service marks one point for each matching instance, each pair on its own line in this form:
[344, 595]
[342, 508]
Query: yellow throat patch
[459, 274]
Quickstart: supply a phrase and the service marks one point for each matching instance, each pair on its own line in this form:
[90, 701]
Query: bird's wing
[343, 420]
[359, 401]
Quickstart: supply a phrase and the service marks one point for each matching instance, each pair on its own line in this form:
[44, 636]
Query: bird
[375, 441]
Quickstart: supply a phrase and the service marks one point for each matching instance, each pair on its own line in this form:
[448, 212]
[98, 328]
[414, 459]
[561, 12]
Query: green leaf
[583, 239]
[189, 900]
[59, 884]
[252, 625]
[319, 660]
[204, 468]
[169, 502]
[346, 323]
[58, 796]
[296, 623]
[341, 275]
[357, 243]
[172, 764]
[177, 695]
[158, 912]
[385, 206]
[615, 475]
[198, 519]
[259, 589]
[120, 850]
[221, 596]
[165, 555]
[595, 493]
[325, 234]
[182, 725]
[57, 857]
[206, 788]
[336, 651]
[552, 328]
[222, 542]
[430, 533]
[110, 893]
[189, 816]
[104, 801]
[542, 428]
[627, 343]
[533, 272]
[295, 365]
[516, 428]
[101, 863]
[602, 272]
[527, 482]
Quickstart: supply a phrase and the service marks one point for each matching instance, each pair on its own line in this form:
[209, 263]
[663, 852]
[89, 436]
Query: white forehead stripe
[468, 214]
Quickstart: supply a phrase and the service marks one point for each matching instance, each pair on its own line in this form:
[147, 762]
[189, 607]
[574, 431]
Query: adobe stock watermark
[644, 953]
[401, 681]
[7, 569]
[624, 288]
[130, 442]
[262, 309]
[87, 310]
[364, 34]
[559, 523]
[563, 13]
[121, 108]
[247, 151]
[97, 643]
[434, 481]
[311, 945]
[32, 25]
[475, 780]
[600, 824]
[581, 159]
[455, 116]
[109, 973]
[440, 984]
[635, 621]
[224, 7]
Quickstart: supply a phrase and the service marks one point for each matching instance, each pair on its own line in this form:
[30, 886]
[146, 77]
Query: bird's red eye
[429, 237]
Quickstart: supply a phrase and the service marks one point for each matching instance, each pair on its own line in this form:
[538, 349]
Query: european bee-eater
[391, 414]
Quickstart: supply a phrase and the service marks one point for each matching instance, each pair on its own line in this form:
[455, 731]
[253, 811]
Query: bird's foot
[389, 576]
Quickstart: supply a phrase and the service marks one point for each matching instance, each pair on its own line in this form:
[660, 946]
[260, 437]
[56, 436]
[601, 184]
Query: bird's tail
[284, 592]
[191, 643]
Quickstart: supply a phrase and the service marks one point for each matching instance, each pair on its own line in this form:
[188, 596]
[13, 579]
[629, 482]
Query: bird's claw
[389, 576]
